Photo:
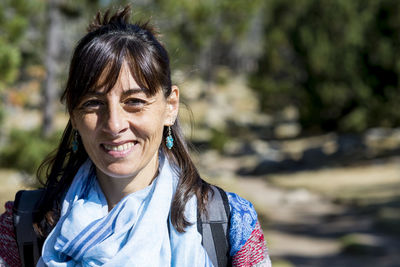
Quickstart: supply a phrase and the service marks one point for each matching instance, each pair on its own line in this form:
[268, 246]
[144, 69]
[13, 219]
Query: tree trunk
[52, 49]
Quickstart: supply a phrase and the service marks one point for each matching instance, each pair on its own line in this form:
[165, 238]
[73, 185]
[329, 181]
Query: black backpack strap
[214, 228]
[28, 242]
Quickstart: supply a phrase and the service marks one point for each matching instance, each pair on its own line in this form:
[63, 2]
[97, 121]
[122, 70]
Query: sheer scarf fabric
[136, 232]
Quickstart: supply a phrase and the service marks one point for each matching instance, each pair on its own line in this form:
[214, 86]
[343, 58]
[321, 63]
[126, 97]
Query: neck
[116, 188]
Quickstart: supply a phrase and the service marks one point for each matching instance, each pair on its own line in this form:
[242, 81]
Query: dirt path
[303, 228]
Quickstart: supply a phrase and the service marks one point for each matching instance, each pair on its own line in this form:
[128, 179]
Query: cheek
[151, 129]
[150, 126]
[89, 122]
[86, 126]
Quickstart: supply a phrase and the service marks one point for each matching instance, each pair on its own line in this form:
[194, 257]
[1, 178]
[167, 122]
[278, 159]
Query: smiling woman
[121, 130]
[121, 189]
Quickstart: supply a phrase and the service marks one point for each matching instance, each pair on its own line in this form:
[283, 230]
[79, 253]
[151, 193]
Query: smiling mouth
[119, 148]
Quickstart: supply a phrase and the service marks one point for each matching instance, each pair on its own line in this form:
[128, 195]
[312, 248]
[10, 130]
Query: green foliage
[337, 61]
[10, 59]
[218, 139]
[25, 150]
[14, 17]
[207, 34]
[2, 116]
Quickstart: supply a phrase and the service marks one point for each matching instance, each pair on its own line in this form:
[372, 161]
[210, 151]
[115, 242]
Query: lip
[118, 154]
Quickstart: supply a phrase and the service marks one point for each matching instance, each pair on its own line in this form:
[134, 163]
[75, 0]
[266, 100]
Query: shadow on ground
[343, 150]
[367, 235]
[345, 261]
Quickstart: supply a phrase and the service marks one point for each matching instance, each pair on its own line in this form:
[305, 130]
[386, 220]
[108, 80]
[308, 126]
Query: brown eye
[92, 104]
[135, 102]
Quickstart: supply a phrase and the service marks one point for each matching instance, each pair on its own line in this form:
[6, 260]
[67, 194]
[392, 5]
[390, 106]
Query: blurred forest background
[295, 107]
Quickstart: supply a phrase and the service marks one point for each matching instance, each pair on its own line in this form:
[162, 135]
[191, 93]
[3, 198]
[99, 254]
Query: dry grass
[371, 182]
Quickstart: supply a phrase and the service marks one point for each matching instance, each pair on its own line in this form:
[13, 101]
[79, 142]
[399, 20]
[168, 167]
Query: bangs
[97, 64]
[143, 70]
[106, 77]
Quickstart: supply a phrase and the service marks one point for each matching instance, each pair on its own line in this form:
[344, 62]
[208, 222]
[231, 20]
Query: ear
[73, 123]
[172, 106]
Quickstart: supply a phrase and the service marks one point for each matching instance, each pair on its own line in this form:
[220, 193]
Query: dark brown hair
[110, 42]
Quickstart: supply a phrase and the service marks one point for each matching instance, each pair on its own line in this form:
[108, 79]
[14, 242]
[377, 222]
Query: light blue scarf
[136, 232]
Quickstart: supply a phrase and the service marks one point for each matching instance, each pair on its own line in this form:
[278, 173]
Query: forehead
[125, 82]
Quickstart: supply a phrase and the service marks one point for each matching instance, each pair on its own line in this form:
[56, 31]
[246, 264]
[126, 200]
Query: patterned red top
[254, 251]
[8, 244]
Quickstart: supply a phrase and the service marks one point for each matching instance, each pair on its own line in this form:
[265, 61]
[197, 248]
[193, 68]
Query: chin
[120, 175]
[117, 172]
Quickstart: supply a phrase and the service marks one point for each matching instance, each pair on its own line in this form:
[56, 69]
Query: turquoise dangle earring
[169, 140]
[75, 142]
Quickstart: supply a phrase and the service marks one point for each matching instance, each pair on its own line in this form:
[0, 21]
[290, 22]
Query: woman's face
[122, 129]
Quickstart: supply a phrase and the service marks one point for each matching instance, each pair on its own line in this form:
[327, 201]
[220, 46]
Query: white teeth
[123, 147]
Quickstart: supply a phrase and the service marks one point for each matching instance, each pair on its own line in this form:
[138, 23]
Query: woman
[121, 189]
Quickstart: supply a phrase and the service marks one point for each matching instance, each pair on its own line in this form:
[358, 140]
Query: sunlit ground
[344, 216]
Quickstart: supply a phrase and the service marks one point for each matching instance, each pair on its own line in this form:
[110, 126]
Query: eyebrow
[135, 91]
[130, 91]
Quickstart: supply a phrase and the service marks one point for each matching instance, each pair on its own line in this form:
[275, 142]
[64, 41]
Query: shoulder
[8, 244]
[243, 219]
[248, 247]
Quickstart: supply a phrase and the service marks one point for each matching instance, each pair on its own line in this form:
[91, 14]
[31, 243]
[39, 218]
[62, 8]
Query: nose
[115, 121]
